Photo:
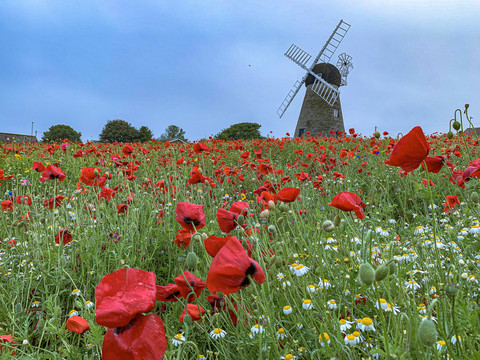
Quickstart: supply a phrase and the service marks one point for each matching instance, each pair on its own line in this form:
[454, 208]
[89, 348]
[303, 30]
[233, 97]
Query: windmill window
[301, 132]
[335, 112]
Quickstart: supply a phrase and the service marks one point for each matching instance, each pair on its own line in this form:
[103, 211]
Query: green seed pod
[241, 219]
[456, 125]
[192, 260]
[187, 319]
[328, 226]
[381, 272]
[392, 268]
[450, 135]
[474, 197]
[376, 134]
[337, 220]
[427, 332]
[367, 274]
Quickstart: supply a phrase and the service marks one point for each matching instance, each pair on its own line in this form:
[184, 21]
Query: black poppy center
[173, 295]
[191, 221]
[252, 269]
[121, 329]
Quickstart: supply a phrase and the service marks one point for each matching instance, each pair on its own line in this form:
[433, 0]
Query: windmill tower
[321, 110]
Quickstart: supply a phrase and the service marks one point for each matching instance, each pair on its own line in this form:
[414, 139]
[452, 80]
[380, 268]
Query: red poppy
[410, 150]
[90, 176]
[7, 339]
[77, 324]
[188, 283]
[183, 238]
[227, 220]
[348, 201]
[52, 173]
[169, 292]
[288, 194]
[473, 170]
[142, 339]
[123, 294]
[106, 194]
[23, 199]
[434, 163]
[199, 147]
[218, 304]
[63, 235]
[127, 150]
[213, 244]
[38, 166]
[190, 216]
[450, 202]
[7, 205]
[195, 312]
[231, 269]
[53, 202]
[240, 207]
[122, 208]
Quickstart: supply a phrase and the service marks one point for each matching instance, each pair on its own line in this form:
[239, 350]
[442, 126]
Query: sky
[205, 65]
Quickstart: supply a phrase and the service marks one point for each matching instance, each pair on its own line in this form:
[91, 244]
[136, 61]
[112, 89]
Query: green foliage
[119, 130]
[60, 132]
[244, 131]
[144, 134]
[173, 132]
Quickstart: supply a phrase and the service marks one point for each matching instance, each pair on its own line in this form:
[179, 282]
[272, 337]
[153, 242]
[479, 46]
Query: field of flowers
[343, 247]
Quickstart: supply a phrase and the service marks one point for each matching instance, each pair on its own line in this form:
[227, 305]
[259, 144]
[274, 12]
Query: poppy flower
[240, 208]
[188, 283]
[52, 173]
[7, 339]
[38, 166]
[213, 244]
[230, 269]
[227, 220]
[183, 238]
[434, 163]
[288, 194]
[77, 324]
[106, 194]
[194, 311]
[127, 150]
[410, 150]
[63, 235]
[23, 199]
[123, 294]
[450, 202]
[190, 216]
[142, 339]
[199, 147]
[218, 305]
[122, 208]
[169, 292]
[90, 176]
[473, 170]
[7, 205]
[347, 201]
[53, 202]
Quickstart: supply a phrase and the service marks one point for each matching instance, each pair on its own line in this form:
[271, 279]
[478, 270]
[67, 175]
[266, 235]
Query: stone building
[316, 115]
[9, 137]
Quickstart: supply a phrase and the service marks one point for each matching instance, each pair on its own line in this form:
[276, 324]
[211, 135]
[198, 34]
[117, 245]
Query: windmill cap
[329, 72]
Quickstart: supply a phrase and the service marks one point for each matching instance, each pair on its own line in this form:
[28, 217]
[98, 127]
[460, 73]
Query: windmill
[321, 110]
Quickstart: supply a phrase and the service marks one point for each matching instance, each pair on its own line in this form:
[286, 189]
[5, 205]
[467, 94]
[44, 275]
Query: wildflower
[287, 310]
[393, 308]
[76, 292]
[190, 216]
[307, 304]
[77, 324]
[455, 338]
[280, 276]
[178, 339]
[475, 229]
[412, 285]
[324, 284]
[350, 340]
[311, 288]
[382, 303]
[331, 304]
[368, 324]
[345, 325]
[433, 290]
[409, 152]
[286, 283]
[300, 270]
[440, 345]
[347, 201]
[217, 333]
[288, 357]
[89, 304]
[358, 336]
[72, 313]
[257, 329]
[324, 338]
[281, 334]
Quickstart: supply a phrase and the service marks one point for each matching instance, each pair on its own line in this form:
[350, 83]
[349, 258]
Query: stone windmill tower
[321, 110]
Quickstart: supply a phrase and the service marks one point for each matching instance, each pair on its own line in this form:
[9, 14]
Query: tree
[60, 132]
[173, 132]
[119, 130]
[144, 134]
[244, 131]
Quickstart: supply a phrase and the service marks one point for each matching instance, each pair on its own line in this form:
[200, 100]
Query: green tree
[173, 132]
[144, 134]
[119, 130]
[60, 132]
[244, 131]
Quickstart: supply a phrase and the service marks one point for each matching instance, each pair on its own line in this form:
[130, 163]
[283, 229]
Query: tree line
[121, 131]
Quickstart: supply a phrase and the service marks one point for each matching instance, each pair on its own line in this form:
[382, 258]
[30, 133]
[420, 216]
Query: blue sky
[205, 65]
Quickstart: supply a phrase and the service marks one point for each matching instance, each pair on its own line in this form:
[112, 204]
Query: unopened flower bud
[282, 206]
[456, 125]
[192, 260]
[265, 214]
[392, 268]
[467, 106]
[197, 237]
[280, 220]
[181, 258]
[96, 172]
[450, 135]
[241, 220]
[427, 332]
[367, 273]
[328, 226]
[474, 197]
[464, 276]
[381, 272]
[337, 220]
[461, 262]
[271, 205]
[471, 266]
[220, 294]
[376, 134]
[272, 229]
[187, 319]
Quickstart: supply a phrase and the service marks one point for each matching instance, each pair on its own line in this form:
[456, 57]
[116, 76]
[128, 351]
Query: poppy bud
[318, 271]
[96, 172]
[272, 260]
[475, 197]
[471, 266]
[20, 224]
[187, 319]
[197, 237]
[272, 229]
[271, 205]
[191, 260]
[467, 106]
[367, 273]
[181, 258]
[241, 220]
[280, 220]
[265, 214]
[220, 294]
[376, 134]
[381, 272]
[337, 220]
[278, 262]
[452, 290]
[328, 226]
[427, 332]
[283, 207]
[392, 268]
[450, 135]
[461, 262]
[456, 125]
[464, 276]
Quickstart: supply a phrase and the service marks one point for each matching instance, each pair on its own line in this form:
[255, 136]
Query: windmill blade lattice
[344, 65]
